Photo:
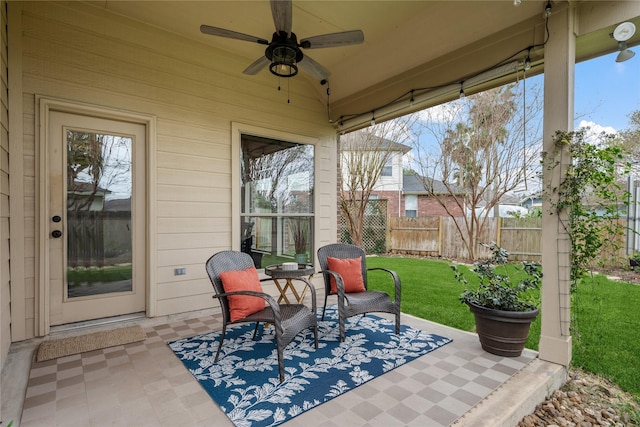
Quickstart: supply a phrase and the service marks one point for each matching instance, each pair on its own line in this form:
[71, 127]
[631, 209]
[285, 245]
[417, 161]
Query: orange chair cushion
[242, 306]
[351, 271]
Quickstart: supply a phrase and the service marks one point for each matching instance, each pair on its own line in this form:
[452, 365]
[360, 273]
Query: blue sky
[606, 91]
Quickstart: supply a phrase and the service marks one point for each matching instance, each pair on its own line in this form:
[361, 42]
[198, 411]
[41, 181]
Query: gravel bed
[586, 400]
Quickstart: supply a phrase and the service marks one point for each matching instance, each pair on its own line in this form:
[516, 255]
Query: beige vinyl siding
[326, 210]
[82, 53]
[5, 277]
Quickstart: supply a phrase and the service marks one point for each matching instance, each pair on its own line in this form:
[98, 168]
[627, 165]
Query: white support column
[559, 63]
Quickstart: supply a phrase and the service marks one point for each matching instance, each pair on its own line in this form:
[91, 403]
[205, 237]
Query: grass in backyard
[608, 330]
[103, 274]
[429, 290]
[607, 314]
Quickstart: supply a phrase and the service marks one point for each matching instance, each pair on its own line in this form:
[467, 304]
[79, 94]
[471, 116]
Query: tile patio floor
[144, 384]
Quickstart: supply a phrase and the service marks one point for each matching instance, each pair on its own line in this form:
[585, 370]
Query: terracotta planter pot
[503, 333]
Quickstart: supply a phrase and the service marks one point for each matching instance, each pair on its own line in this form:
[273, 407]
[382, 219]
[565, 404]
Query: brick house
[405, 192]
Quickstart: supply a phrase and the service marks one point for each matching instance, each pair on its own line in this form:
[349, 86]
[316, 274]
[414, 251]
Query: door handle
[56, 234]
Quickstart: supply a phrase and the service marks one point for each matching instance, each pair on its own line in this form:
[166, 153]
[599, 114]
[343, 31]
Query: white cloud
[595, 130]
[443, 113]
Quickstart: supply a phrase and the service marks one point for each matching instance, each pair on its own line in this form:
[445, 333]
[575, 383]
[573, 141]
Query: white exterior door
[96, 205]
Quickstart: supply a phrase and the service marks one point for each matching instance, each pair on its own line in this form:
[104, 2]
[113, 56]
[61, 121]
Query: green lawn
[607, 314]
[104, 274]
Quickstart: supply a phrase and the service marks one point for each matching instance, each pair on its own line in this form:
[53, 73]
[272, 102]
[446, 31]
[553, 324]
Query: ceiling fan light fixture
[284, 57]
[283, 69]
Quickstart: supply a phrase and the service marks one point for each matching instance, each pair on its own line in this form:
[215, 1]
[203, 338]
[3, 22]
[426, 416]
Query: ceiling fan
[283, 53]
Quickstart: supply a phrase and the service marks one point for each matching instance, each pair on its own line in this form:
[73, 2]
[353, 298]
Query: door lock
[56, 234]
[56, 218]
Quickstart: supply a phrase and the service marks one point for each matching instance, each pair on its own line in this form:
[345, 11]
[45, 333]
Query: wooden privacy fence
[439, 237]
[433, 236]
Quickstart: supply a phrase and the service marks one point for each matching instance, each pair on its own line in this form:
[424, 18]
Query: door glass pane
[99, 190]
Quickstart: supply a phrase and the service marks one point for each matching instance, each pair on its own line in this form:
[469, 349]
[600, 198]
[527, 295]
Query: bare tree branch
[363, 156]
[487, 145]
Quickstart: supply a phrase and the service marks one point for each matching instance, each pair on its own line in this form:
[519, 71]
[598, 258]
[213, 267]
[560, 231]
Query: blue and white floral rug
[245, 384]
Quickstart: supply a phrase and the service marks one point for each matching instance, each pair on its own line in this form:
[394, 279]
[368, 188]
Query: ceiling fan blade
[313, 68]
[334, 39]
[281, 11]
[257, 66]
[221, 32]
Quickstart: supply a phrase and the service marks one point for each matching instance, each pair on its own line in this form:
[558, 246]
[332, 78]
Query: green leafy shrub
[498, 289]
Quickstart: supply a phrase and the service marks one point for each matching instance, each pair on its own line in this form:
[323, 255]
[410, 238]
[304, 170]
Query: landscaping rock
[586, 400]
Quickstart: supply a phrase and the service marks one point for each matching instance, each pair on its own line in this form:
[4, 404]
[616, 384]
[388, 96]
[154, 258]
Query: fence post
[387, 235]
[499, 231]
[440, 236]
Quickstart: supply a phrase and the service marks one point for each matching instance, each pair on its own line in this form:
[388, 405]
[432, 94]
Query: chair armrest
[339, 282]
[312, 288]
[396, 280]
[268, 298]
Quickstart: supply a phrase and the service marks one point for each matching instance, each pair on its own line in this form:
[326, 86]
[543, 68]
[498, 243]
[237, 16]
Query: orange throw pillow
[351, 271]
[242, 280]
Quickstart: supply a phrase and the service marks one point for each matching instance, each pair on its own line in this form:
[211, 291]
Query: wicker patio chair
[353, 303]
[287, 319]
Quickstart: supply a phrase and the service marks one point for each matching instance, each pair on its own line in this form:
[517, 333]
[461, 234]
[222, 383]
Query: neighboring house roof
[532, 200]
[411, 183]
[415, 184]
[510, 199]
[360, 141]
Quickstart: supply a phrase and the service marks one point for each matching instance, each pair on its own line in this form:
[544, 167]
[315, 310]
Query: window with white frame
[277, 212]
[410, 205]
[387, 169]
[371, 208]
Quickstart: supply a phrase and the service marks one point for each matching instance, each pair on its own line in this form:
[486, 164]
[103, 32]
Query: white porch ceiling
[408, 44]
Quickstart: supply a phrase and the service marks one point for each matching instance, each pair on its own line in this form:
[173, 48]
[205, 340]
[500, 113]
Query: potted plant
[502, 306]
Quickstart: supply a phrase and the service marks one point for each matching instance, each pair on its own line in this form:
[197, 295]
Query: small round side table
[278, 273]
